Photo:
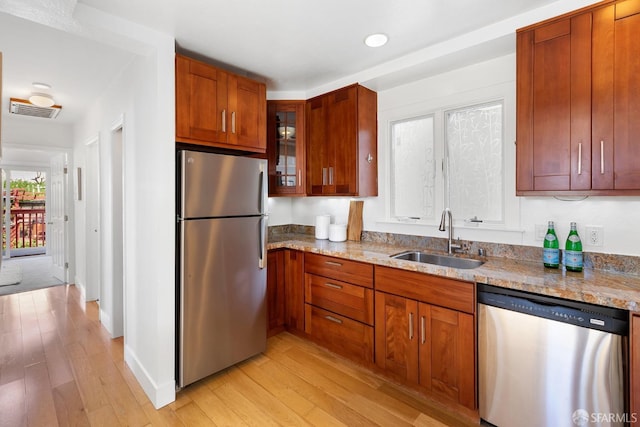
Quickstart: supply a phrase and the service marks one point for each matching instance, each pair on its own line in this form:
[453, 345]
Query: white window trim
[504, 92]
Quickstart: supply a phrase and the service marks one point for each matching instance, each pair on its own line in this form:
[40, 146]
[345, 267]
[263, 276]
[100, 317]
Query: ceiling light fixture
[376, 40]
[41, 85]
[41, 100]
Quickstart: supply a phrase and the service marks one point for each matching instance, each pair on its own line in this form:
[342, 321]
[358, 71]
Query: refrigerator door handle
[262, 191]
[263, 241]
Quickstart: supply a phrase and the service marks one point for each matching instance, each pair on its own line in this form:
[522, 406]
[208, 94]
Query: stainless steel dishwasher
[546, 361]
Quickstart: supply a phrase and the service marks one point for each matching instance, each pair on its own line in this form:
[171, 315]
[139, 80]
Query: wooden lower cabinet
[447, 353]
[294, 290]
[340, 334]
[427, 345]
[285, 291]
[275, 292]
[339, 305]
[634, 386]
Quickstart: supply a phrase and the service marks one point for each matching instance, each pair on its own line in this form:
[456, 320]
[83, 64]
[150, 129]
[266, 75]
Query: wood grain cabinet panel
[354, 272]
[216, 108]
[339, 333]
[275, 292]
[616, 106]
[576, 103]
[447, 353]
[286, 148]
[554, 106]
[341, 143]
[422, 342]
[294, 290]
[353, 301]
[339, 305]
[396, 339]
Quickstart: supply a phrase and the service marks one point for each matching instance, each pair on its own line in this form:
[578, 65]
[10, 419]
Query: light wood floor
[58, 366]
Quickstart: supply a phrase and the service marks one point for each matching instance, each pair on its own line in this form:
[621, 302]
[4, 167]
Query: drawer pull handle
[332, 285]
[333, 319]
[335, 264]
[410, 326]
[423, 329]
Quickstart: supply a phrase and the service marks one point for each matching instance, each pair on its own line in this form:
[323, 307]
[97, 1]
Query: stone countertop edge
[591, 286]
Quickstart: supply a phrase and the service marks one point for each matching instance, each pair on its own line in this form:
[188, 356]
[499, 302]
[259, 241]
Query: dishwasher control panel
[580, 314]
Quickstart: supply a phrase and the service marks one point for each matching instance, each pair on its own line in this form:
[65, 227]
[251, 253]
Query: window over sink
[450, 157]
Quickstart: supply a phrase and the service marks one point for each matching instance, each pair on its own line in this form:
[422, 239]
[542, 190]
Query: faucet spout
[446, 215]
[443, 220]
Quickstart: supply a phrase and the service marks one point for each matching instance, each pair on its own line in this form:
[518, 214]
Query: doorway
[26, 231]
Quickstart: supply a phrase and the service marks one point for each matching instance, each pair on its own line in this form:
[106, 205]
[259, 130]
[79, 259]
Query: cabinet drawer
[436, 290]
[348, 337]
[355, 272]
[343, 298]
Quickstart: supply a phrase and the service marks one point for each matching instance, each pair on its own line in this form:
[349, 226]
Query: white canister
[338, 232]
[322, 226]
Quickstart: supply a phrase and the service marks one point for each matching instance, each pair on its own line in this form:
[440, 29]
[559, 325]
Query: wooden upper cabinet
[341, 143]
[616, 104]
[554, 106]
[577, 131]
[286, 148]
[219, 109]
[201, 100]
[248, 114]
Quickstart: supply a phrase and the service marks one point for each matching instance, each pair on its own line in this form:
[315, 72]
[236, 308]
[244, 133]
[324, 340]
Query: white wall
[616, 215]
[143, 98]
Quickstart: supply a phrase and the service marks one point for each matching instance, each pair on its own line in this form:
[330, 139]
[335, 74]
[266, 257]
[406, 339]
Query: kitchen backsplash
[594, 260]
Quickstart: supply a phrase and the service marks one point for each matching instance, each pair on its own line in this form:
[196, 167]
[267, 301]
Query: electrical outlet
[594, 235]
[541, 231]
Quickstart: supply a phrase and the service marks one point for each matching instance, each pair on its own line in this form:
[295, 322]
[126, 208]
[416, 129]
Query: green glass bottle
[573, 250]
[551, 252]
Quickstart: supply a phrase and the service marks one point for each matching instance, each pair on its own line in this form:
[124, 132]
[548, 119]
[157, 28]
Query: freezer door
[222, 295]
[217, 185]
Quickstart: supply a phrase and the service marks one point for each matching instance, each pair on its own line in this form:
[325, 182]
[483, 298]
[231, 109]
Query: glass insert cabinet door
[285, 149]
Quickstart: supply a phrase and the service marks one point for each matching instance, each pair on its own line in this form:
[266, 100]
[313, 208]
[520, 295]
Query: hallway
[34, 272]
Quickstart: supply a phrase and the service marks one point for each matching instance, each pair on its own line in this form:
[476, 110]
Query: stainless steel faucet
[447, 214]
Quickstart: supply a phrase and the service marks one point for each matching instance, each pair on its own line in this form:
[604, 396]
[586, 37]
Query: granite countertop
[592, 286]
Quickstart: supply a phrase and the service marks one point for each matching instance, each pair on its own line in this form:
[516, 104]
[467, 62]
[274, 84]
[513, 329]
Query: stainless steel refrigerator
[221, 284]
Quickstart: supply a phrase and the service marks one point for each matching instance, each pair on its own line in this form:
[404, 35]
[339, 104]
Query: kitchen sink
[443, 260]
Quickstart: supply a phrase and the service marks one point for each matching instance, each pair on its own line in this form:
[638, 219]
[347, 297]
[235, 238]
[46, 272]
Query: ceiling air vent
[23, 107]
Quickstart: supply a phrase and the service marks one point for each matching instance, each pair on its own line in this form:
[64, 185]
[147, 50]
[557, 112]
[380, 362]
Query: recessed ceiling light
[376, 40]
[41, 85]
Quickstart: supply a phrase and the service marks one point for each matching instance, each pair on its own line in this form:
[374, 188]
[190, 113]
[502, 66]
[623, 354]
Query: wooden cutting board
[354, 226]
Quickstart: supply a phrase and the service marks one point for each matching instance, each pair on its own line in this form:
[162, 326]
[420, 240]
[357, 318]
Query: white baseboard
[83, 291]
[105, 319]
[160, 395]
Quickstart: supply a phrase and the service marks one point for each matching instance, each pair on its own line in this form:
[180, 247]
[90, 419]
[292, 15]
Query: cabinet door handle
[299, 177]
[580, 158]
[423, 329]
[333, 263]
[224, 120]
[332, 285]
[331, 175]
[324, 176]
[410, 326]
[333, 319]
[369, 158]
[601, 157]
[233, 122]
